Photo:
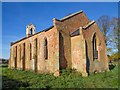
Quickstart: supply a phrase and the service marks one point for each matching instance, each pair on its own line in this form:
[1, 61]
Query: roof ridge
[66, 17]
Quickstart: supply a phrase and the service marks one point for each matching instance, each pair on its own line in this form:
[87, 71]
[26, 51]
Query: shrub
[115, 56]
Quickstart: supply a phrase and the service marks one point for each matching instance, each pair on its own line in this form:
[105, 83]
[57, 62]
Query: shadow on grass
[111, 66]
[3, 65]
[11, 84]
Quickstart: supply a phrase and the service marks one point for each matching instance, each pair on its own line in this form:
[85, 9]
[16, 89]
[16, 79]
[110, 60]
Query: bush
[115, 56]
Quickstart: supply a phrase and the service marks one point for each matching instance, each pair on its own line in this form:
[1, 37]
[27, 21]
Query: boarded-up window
[45, 49]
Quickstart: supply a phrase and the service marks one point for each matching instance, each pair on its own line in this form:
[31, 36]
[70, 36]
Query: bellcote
[30, 30]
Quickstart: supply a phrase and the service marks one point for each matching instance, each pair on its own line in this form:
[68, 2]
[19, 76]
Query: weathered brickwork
[69, 43]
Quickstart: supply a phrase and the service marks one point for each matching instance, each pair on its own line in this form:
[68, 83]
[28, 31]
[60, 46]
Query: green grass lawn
[68, 79]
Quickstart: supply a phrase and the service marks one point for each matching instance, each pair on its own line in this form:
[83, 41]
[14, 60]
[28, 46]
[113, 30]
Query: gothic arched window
[95, 52]
[45, 48]
[30, 51]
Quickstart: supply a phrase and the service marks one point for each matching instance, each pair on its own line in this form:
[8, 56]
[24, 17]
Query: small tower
[30, 30]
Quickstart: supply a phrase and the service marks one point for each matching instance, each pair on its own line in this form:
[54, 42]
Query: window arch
[45, 48]
[15, 57]
[20, 51]
[30, 51]
[94, 44]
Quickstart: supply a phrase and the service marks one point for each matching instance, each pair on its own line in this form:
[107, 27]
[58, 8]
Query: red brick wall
[88, 35]
[65, 28]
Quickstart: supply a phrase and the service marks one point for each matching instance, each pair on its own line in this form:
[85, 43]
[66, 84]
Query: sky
[16, 15]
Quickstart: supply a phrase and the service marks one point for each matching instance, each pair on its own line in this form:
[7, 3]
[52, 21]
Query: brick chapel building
[72, 42]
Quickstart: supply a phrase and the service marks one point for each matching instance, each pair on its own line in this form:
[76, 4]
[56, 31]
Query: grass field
[68, 79]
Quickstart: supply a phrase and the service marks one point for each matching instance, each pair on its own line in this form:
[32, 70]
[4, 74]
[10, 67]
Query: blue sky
[15, 17]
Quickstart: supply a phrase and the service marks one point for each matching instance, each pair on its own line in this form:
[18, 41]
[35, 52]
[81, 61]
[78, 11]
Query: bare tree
[104, 23]
[115, 24]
